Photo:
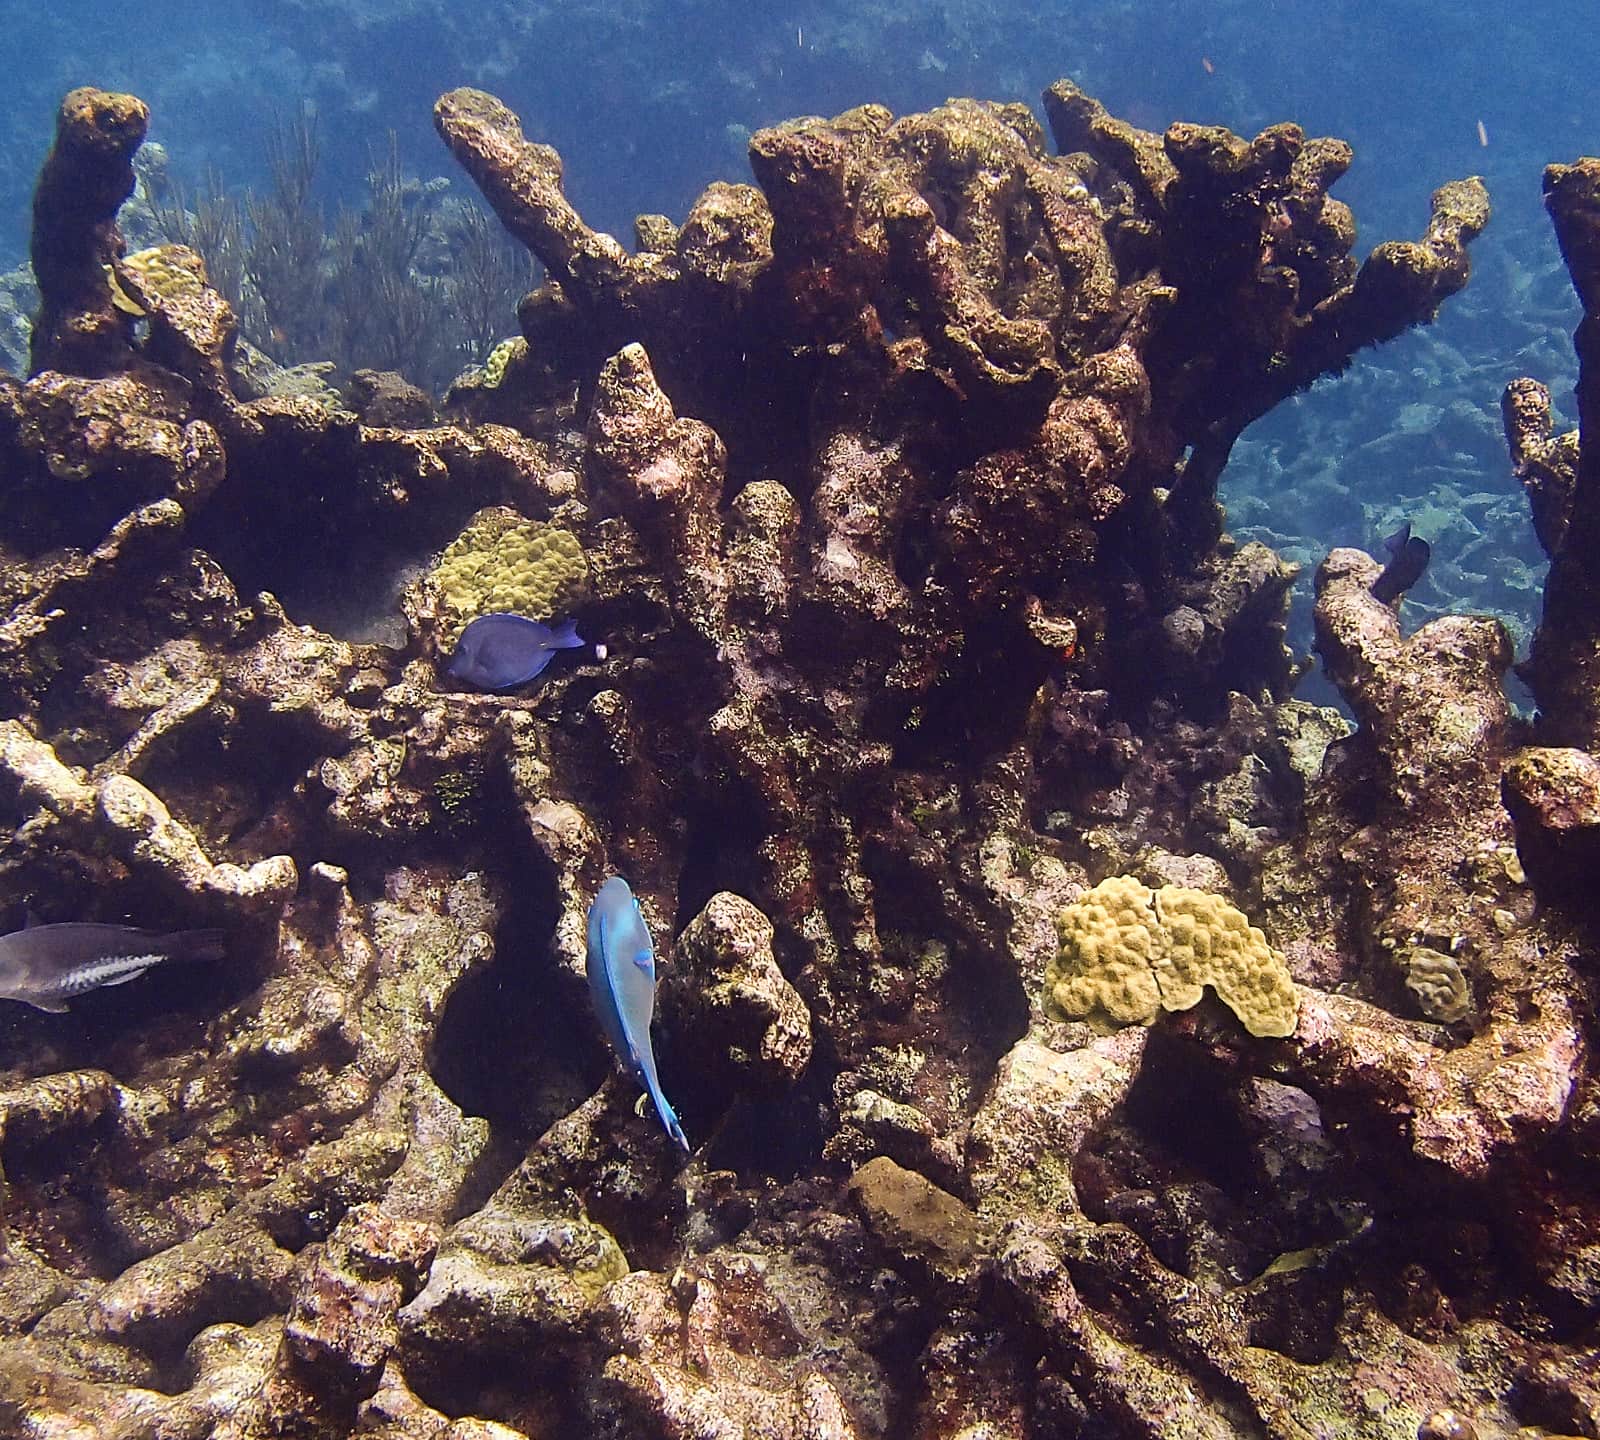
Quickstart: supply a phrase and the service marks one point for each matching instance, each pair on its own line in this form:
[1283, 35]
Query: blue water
[649, 99]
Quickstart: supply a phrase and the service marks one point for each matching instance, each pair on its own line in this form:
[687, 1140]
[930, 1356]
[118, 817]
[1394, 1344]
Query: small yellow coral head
[1128, 951]
[494, 368]
[162, 270]
[504, 562]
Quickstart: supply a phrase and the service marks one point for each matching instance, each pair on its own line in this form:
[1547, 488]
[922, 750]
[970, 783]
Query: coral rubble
[887, 487]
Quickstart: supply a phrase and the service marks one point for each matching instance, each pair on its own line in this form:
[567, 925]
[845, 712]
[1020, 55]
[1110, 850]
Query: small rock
[915, 1218]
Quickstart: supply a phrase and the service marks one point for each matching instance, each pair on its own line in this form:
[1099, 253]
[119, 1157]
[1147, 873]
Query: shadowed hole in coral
[512, 1045]
[981, 988]
[1178, 1166]
[1173, 1163]
[533, 1388]
[1185, 1106]
[335, 553]
[756, 397]
[979, 1010]
[721, 853]
[770, 1135]
[238, 789]
[775, 1137]
[55, 1196]
[978, 705]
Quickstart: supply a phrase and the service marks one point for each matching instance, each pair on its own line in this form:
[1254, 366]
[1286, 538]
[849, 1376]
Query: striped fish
[47, 965]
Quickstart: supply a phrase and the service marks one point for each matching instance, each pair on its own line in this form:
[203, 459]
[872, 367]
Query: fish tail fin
[565, 636]
[193, 945]
[669, 1116]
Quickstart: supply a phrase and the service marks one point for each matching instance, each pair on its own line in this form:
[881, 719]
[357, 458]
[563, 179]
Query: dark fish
[504, 650]
[1408, 558]
[47, 965]
[622, 984]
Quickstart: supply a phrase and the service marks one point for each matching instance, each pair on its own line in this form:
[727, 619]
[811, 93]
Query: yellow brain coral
[1130, 951]
[503, 562]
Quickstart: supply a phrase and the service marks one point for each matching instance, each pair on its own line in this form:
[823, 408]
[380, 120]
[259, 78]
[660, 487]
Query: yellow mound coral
[166, 270]
[503, 562]
[494, 368]
[1129, 952]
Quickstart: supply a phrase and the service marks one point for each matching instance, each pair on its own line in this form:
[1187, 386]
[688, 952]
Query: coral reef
[890, 482]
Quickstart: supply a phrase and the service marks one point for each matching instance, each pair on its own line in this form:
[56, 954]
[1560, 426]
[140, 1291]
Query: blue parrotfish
[1408, 558]
[47, 965]
[622, 984]
[504, 650]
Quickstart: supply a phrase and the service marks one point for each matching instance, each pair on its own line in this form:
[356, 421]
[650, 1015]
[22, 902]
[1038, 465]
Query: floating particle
[1210, 68]
[1483, 134]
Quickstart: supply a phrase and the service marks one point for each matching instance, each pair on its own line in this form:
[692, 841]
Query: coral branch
[86, 177]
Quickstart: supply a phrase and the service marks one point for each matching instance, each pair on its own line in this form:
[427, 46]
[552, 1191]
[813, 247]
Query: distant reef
[1076, 1034]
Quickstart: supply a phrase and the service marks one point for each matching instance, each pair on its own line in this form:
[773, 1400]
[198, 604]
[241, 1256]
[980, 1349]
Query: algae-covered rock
[748, 1016]
[514, 1277]
[1130, 951]
[916, 1220]
[1553, 794]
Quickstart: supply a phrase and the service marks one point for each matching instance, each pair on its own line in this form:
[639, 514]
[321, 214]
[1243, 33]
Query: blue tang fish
[504, 650]
[622, 984]
[47, 965]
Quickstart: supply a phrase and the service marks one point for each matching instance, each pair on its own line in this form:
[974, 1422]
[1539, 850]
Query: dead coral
[1436, 731]
[86, 177]
[1562, 476]
[892, 476]
[749, 1018]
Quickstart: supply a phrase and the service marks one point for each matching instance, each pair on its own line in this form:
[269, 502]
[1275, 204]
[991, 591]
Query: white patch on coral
[839, 555]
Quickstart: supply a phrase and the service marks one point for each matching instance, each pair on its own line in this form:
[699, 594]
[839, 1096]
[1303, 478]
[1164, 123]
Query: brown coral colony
[888, 486]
